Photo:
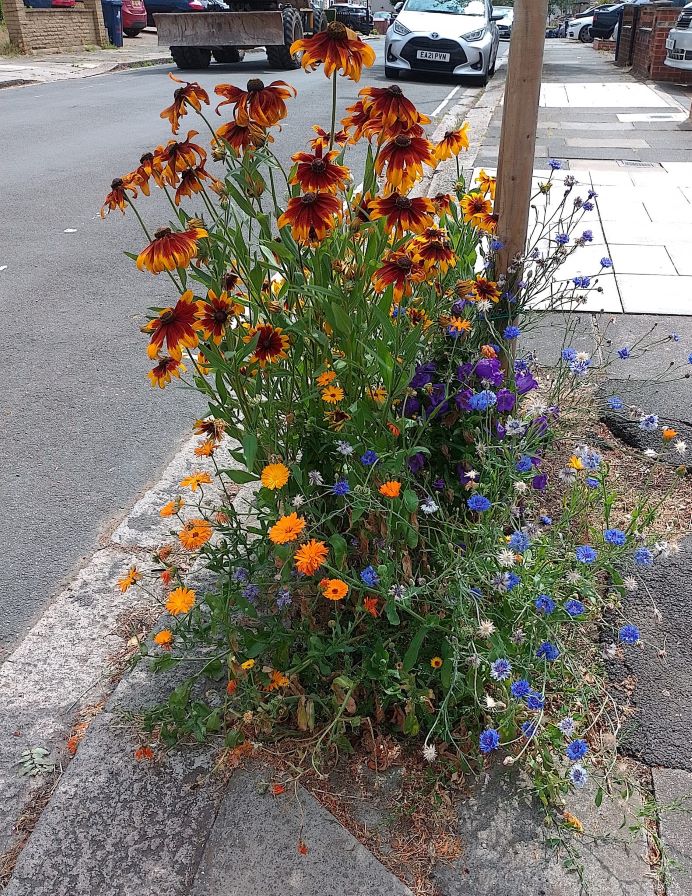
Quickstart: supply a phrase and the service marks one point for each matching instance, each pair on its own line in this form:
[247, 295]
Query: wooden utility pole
[519, 124]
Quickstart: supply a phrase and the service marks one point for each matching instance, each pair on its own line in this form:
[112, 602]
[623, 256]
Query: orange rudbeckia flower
[364, 122]
[339, 48]
[165, 369]
[191, 181]
[176, 326]
[403, 212]
[404, 157]
[149, 167]
[242, 135]
[487, 183]
[215, 314]
[475, 207]
[271, 343]
[434, 250]
[117, 198]
[392, 108]
[212, 428]
[170, 250]
[478, 289]
[311, 216]
[192, 94]
[323, 138]
[177, 155]
[399, 270]
[265, 105]
[315, 172]
[452, 143]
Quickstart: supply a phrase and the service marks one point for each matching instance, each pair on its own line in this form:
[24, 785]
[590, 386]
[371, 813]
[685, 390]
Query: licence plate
[670, 44]
[433, 56]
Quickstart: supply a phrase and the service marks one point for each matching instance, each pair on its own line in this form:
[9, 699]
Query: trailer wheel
[280, 56]
[228, 55]
[191, 57]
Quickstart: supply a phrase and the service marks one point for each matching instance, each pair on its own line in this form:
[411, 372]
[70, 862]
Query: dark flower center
[395, 90]
[402, 141]
[220, 316]
[309, 198]
[318, 166]
[404, 263]
[162, 232]
[167, 316]
[254, 85]
[117, 183]
[403, 202]
[337, 30]
[147, 157]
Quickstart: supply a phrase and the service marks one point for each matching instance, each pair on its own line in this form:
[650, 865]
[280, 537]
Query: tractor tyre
[280, 56]
[228, 55]
[320, 22]
[190, 58]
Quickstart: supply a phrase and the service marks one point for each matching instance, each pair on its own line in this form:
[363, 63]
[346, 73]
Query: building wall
[32, 30]
[649, 50]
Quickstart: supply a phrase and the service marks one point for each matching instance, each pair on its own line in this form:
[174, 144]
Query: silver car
[451, 37]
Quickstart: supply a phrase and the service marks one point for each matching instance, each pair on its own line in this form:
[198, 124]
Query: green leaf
[410, 500]
[241, 476]
[340, 547]
[250, 449]
[598, 799]
[411, 654]
[391, 611]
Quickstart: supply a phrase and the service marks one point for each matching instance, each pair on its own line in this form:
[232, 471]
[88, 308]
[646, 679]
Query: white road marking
[444, 102]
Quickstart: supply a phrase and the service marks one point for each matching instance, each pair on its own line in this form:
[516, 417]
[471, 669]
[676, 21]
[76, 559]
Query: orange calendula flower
[176, 326]
[180, 600]
[475, 208]
[242, 135]
[277, 680]
[177, 155]
[117, 198]
[247, 665]
[264, 104]
[487, 351]
[400, 270]
[310, 556]
[164, 638]
[231, 688]
[288, 528]
[573, 822]
[378, 394]
[271, 343]
[390, 489]
[339, 48]
[403, 212]
[487, 183]
[668, 434]
[575, 463]
[334, 589]
[332, 394]
[142, 753]
[133, 576]
[170, 250]
[316, 172]
[205, 449]
[436, 662]
[172, 507]
[452, 143]
[395, 431]
[311, 216]
[434, 250]
[165, 369]
[404, 157]
[275, 476]
[457, 326]
[215, 314]
[323, 138]
[324, 379]
[392, 108]
[370, 606]
[195, 533]
[192, 94]
[195, 481]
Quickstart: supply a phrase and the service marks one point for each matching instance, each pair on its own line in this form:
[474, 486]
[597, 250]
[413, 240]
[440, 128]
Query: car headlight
[473, 35]
[400, 29]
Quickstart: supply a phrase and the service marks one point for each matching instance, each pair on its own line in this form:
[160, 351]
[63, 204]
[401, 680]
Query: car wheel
[391, 73]
[585, 35]
[228, 55]
[479, 80]
[280, 56]
[491, 69]
[190, 58]
[131, 32]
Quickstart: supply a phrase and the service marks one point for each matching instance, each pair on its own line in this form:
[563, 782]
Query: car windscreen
[451, 7]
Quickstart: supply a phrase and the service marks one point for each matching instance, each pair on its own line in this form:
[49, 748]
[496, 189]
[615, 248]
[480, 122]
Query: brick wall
[32, 30]
[648, 58]
[626, 38]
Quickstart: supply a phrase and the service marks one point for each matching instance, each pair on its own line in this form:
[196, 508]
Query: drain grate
[632, 163]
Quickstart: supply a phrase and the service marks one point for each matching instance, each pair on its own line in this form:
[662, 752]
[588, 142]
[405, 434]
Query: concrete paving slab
[656, 294]
[675, 786]
[250, 826]
[641, 260]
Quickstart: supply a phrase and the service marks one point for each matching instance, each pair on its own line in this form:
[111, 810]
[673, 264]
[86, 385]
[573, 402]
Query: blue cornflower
[592, 194]
[587, 206]
[582, 282]
[369, 458]
[535, 701]
[615, 536]
[554, 164]
[643, 557]
[489, 740]
[520, 688]
[675, 337]
[544, 604]
[369, 576]
[496, 245]
[344, 448]
[586, 554]
[629, 634]
[501, 669]
[562, 239]
[569, 354]
[567, 726]
[574, 607]
[251, 593]
[606, 262]
[283, 598]
[587, 236]
[528, 729]
[591, 482]
[689, 359]
[577, 749]
[591, 459]
[519, 542]
[240, 575]
[341, 487]
[623, 353]
[479, 503]
[615, 403]
[649, 422]
[549, 651]
[481, 401]
[580, 368]
[524, 464]
[511, 332]
[511, 580]
[546, 520]
[578, 776]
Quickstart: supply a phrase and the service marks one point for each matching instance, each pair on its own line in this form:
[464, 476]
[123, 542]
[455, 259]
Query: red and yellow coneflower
[177, 155]
[392, 108]
[315, 172]
[271, 343]
[192, 94]
[475, 209]
[433, 250]
[215, 314]
[324, 138]
[404, 157]
[311, 216]
[399, 270]
[264, 104]
[212, 427]
[478, 289]
[487, 183]
[191, 182]
[339, 48]
[403, 213]
[165, 369]
[452, 143]
[117, 197]
[170, 250]
[176, 326]
[242, 135]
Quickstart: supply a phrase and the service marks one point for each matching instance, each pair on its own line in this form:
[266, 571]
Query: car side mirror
[497, 16]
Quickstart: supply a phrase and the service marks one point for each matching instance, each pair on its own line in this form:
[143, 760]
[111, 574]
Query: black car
[606, 18]
[357, 18]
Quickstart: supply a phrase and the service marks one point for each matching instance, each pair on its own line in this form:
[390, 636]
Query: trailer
[194, 38]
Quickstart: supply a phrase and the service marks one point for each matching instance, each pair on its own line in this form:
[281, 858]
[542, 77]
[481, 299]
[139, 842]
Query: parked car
[609, 17]
[679, 41]
[579, 28]
[134, 17]
[49, 4]
[155, 6]
[504, 25]
[451, 37]
[358, 18]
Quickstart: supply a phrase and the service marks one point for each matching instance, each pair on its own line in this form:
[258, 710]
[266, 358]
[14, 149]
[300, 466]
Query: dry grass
[24, 827]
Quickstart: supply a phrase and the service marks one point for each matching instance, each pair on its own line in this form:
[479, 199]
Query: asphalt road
[81, 430]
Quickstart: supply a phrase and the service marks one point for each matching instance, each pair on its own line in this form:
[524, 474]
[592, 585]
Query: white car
[579, 28]
[451, 37]
[679, 42]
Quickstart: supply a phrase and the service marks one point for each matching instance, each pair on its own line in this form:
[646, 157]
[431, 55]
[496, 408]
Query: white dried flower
[484, 306]
[680, 446]
[573, 577]
[583, 356]
[610, 651]
[429, 506]
[298, 501]
[521, 487]
[630, 583]
[429, 753]
[472, 474]
[315, 478]
[506, 558]
[486, 628]
[649, 452]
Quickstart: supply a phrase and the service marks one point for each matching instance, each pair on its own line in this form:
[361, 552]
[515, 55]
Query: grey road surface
[81, 430]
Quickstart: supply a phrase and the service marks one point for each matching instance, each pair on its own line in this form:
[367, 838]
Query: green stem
[331, 134]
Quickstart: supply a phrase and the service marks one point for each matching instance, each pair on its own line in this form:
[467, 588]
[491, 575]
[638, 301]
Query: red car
[134, 17]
